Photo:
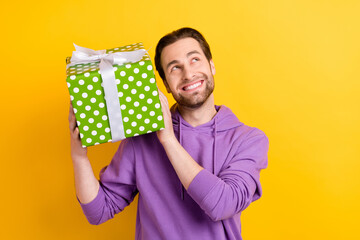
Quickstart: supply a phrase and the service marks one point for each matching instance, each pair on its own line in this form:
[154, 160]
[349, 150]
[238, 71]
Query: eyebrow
[187, 55]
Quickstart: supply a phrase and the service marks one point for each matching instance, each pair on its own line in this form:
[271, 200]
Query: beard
[197, 98]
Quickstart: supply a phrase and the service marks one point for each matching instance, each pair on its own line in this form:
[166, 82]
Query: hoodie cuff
[93, 208]
[201, 185]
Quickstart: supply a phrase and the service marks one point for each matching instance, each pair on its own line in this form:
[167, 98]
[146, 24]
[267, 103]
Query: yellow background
[290, 68]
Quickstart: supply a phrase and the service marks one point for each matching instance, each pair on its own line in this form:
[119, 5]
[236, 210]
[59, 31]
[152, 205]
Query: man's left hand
[167, 133]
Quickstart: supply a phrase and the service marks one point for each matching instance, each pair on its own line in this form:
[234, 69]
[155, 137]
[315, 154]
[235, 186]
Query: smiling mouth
[193, 86]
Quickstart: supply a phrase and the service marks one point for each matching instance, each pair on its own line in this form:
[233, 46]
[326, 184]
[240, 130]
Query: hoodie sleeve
[237, 184]
[117, 186]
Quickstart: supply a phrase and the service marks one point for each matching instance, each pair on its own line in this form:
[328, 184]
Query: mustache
[202, 76]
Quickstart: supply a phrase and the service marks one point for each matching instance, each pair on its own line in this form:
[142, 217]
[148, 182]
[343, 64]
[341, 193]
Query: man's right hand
[86, 185]
[77, 151]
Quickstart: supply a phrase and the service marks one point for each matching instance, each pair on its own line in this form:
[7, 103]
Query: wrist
[169, 140]
[76, 159]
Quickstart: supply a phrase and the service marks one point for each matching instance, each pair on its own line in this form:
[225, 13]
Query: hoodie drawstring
[214, 149]
[180, 141]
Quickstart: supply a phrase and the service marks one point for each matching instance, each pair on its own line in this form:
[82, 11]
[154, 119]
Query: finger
[72, 123]
[71, 111]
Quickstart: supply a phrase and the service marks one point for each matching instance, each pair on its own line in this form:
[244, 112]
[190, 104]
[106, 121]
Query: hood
[224, 120]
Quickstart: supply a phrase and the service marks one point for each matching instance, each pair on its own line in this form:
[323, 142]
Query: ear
[166, 85]
[212, 66]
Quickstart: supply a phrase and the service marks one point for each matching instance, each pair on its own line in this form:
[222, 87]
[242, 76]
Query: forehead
[179, 49]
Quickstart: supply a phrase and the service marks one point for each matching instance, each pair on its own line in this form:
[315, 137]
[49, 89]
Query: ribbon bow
[86, 55]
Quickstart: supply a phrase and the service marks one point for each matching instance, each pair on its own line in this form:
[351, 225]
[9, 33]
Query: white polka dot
[139, 116]
[131, 111]
[131, 78]
[90, 87]
[96, 143]
[133, 91]
[122, 73]
[93, 100]
[136, 70]
[136, 134]
[139, 83]
[128, 99]
[136, 104]
[114, 69]
[88, 140]
[157, 105]
[71, 97]
[128, 131]
[141, 96]
[87, 74]
[96, 112]
[76, 90]
[117, 81]
[147, 121]
[152, 113]
[133, 124]
[102, 137]
[149, 131]
[141, 128]
[87, 108]
[104, 117]
[123, 107]
[75, 110]
[144, 75]
[125, 86]
[101, 105]
[91, 120]
[144, 108]
[81, 136]
[99, 125]
[94, 133]
[72, 77]
[149, 101]
[152, 80]
[81, 82]
[154, 125]
[154, 93]
[126, 119]
[120, 94]
[128, 66]
[147, 88]
[82, 115]
[79, 103]
[141, 63]
[149, 67]
[78, 123]
[95, 79]
[68, 84]
[86, 128]
[159, 118]
[98, 92]
[107, 130]
[84, 95]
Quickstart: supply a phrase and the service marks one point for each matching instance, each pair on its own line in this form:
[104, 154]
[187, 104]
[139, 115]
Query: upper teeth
[193, 86]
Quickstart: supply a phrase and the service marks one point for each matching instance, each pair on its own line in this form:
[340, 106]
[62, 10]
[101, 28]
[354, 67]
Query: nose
[188, 73]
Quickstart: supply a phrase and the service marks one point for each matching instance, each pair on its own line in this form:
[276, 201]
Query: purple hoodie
[232, 155]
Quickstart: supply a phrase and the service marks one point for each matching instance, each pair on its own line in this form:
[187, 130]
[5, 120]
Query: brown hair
[175, 36]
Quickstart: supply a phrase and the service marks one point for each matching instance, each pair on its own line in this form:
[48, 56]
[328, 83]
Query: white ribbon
[86, 55]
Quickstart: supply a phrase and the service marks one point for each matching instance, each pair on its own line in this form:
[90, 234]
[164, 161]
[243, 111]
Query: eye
[195, 60]
[174, 68]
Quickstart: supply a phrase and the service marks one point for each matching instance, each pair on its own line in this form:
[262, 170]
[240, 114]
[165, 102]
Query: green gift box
[109, 109]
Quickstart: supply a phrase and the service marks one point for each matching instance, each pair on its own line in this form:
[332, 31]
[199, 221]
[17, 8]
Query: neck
[200, 115]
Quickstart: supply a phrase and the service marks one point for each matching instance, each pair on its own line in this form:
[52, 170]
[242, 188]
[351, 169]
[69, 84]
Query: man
[195, 176]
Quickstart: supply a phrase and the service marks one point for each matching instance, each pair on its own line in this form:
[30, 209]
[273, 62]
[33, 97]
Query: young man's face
[188, 73]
